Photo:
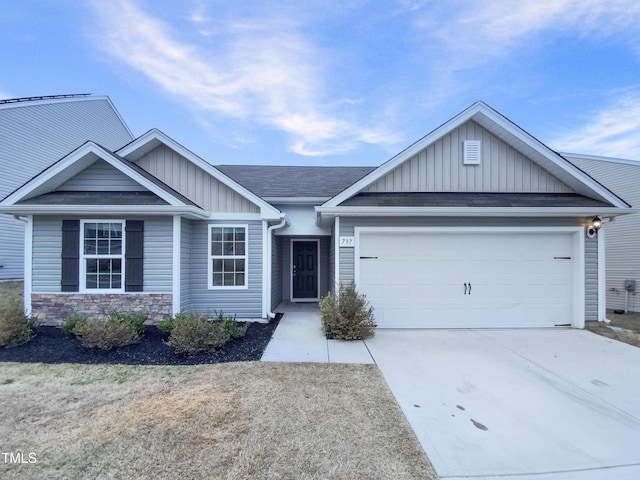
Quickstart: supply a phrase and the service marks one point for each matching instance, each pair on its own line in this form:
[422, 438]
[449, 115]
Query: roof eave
[529, 212]
[92, 210]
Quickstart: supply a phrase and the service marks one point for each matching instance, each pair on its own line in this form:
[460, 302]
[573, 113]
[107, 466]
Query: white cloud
[266, 71]
[612, 132]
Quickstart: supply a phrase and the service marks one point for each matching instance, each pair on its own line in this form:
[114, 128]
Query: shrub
[136, 320]
[15, 327]
[119, 330]
[231, 326]
[71, 323]
[193, 333]
[166, 325]
[347, 314]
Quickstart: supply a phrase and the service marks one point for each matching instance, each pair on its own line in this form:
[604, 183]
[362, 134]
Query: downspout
[283, 222]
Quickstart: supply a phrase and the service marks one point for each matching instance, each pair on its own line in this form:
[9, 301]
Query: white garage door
[479, 280]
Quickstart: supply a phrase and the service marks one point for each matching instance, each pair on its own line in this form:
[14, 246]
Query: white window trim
[210, 257]
[83, 257]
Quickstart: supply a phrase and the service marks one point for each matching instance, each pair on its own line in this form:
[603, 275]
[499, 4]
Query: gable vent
[472, 152]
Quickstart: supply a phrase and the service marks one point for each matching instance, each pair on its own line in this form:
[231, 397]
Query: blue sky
[335, 82]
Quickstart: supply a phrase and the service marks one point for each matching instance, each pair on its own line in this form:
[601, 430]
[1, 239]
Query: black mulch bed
[51, 346]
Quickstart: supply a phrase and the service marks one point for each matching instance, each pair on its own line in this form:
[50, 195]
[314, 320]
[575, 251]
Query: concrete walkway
[299, 338]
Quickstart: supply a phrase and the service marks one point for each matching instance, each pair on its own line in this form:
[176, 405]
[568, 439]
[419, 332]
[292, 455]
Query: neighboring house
[622, 259]
[36, 132]
[477, 224]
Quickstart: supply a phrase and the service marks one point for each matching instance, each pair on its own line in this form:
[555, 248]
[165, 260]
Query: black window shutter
[70, 281]
[133, 256]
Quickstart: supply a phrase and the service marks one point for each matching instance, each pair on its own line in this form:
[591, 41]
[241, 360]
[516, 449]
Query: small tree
[347, 315]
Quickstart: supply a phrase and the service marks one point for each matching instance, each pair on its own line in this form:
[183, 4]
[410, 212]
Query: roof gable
[193, 177]
[72, 172]
[536, 162]
[440, 167]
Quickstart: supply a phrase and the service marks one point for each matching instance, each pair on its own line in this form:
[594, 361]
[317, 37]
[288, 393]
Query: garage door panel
[418, 279]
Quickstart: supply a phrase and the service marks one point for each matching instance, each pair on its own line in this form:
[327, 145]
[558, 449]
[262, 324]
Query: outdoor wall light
[594, 226]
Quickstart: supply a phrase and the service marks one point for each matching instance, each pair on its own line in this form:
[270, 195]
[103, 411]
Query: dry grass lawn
[629, 321]
[226, 421]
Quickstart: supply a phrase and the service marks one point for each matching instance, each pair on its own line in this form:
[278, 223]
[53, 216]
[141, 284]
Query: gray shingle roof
[455, 199]
[95, 198]
[294, 181]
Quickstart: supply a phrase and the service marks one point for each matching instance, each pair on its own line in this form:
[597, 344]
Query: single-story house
[36, 132]
[622, 257]
[478, 224]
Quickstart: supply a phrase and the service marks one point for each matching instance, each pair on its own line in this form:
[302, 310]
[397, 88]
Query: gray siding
[11, 247]
[245, 303]
[591, 279]
[324, 265]
[347, 268]
[193, 182]
[276, 271]
[33, 135]
[47, 249]
[622, 236]
[101, 177]
[185, 265]
[439, 168]
[158, 254]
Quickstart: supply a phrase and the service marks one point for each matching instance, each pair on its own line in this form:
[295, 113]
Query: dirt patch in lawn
[623, 327]
[245, 420]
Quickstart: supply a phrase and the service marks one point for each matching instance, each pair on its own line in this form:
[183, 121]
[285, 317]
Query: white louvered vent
[472, 152]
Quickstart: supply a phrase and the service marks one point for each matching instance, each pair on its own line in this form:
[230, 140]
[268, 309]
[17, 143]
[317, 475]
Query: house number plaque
[347, 241]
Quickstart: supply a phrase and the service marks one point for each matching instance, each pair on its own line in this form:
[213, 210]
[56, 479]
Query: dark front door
[305, 269]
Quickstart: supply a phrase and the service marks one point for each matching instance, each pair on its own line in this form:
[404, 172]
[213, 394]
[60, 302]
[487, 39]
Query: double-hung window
[227, 256]
[102, 255]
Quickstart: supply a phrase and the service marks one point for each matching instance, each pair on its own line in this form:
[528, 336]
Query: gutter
[283, 222]
[188, 211]
[473, 211]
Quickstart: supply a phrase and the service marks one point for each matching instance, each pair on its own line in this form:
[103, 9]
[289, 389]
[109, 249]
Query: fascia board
[472, 211]
[155, 210]
[267, 209]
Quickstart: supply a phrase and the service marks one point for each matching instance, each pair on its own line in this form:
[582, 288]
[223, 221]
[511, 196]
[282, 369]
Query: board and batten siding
[101, 177]
[622, 236]
[347, 255]
[439, 168]
[47, 249]
[34, 135]
[193, 182]
[242, 302]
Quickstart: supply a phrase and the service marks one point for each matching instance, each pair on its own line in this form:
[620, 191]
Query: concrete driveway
[517, 404]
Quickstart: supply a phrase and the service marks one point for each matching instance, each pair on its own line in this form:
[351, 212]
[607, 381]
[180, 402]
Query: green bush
[347, 315]
[15, 327]
[71, 323]
[231, 326]
[119, 330]
[194, 333]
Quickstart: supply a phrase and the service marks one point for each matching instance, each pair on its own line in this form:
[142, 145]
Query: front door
[304, 281]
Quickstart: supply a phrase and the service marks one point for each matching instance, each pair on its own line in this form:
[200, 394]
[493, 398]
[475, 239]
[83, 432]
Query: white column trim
[266, 268]
[177, 263]
[28, 263]
[336, 266]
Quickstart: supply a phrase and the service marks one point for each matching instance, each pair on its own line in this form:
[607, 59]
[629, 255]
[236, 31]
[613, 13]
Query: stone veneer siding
[53, 308]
